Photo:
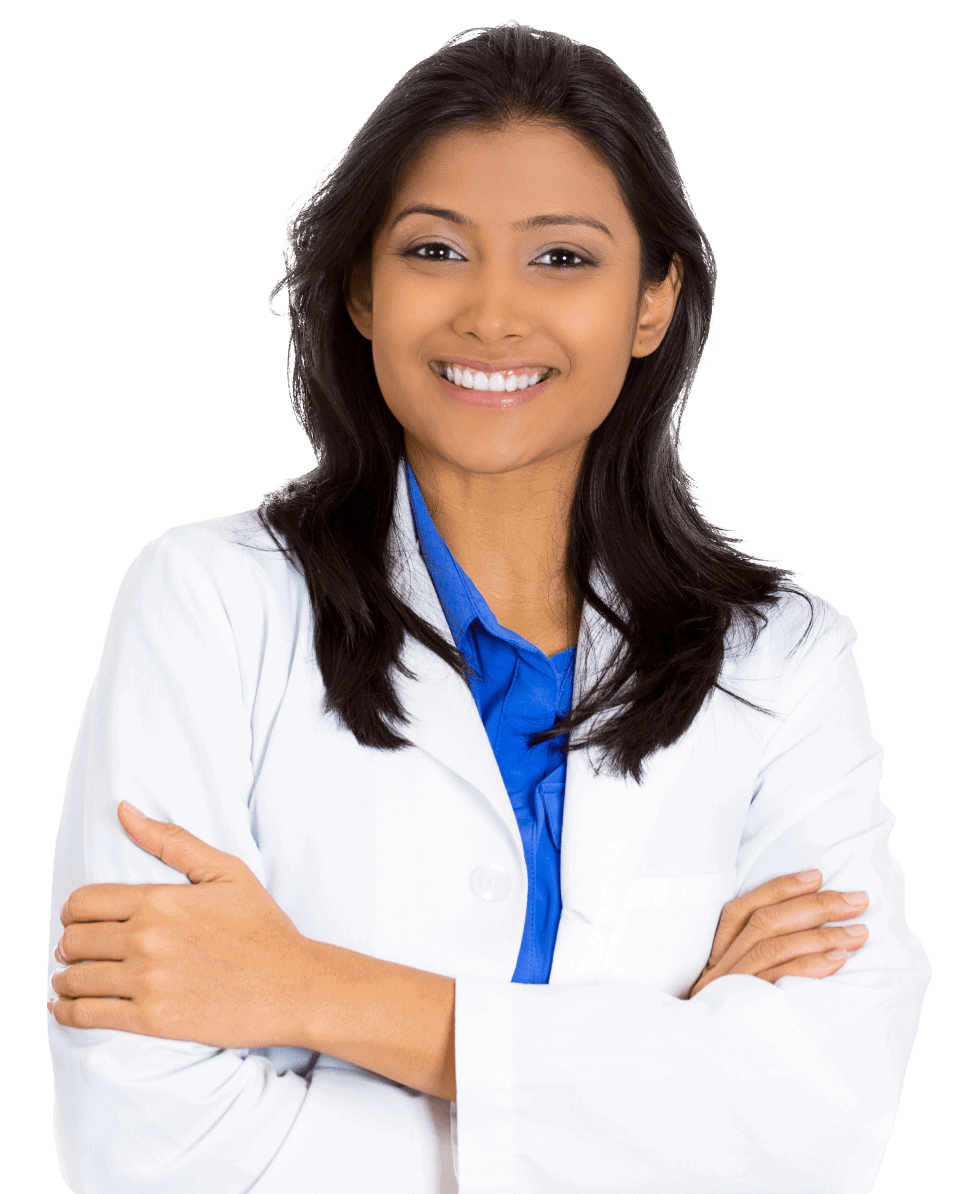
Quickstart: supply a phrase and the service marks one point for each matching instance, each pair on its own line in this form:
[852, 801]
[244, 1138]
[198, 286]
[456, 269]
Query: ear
[360, 301]
[656, 310]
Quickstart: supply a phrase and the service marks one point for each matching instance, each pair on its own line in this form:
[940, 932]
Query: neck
[510, 533]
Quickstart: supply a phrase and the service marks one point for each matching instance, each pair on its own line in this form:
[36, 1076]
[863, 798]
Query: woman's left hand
[216, 961]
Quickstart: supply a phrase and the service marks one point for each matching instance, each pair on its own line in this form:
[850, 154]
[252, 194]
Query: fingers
[102, 901]
[809, 966]
[93, 979]
[96, 1013]
[791, 917]
[736, 913]
[773, 952]
[176, 847]
[97, 940]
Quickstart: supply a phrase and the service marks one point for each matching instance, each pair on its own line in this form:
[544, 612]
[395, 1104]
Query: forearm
[392, 1019]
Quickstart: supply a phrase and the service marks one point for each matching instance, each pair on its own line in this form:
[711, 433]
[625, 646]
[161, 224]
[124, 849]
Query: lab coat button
[491, 883]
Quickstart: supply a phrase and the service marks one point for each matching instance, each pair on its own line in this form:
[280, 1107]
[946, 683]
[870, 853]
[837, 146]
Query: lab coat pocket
[666, 928]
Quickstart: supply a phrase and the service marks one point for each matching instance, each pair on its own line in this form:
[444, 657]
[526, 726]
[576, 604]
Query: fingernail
[808, 876]
[856, 931]
[835, 954]
[133, 809]
[856, 897]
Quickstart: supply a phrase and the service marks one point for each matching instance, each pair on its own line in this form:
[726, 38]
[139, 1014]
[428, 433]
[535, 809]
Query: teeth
[473, 379]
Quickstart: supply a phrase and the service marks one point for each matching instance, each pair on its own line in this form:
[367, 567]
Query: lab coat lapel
[444, 719]
[606, 819]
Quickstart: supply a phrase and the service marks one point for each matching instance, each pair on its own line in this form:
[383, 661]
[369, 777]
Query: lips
[503, 377]
[505, 392]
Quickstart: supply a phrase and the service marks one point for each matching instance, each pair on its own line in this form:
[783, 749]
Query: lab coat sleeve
[167, 726]
[749, 1086]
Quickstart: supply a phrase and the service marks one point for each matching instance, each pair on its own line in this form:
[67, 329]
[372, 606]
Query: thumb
[175, 847]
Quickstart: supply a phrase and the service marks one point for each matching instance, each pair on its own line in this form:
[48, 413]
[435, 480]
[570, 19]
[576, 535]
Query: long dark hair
[681, 584]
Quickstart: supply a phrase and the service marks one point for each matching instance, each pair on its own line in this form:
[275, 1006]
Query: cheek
[402, 315]
[599, 337]
[599, 329]
[406, 308]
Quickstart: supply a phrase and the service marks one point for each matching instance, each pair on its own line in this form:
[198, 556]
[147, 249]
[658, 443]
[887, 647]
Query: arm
[218, 962]
[168, 727]
[748, 1086]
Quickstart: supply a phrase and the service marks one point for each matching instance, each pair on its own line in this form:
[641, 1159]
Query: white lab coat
[207, 711]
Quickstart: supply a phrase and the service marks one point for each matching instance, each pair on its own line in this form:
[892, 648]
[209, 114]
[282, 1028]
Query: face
[507, 259]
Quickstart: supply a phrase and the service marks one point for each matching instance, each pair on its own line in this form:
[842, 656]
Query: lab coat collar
[607, 819]
[443, 717]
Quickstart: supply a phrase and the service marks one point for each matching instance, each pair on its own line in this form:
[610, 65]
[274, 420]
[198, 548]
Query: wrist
[313, 1014]
[382, 1016]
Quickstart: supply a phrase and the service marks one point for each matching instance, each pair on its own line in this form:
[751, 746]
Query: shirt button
[491, 883]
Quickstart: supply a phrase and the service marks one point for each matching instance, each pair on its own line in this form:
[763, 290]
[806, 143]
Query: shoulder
[802, 639]
[228, 561]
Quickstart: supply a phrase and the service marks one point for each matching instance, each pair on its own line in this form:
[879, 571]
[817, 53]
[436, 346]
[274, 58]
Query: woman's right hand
[775, 930]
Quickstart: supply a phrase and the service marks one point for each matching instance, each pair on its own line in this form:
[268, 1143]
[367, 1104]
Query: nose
[493, 304]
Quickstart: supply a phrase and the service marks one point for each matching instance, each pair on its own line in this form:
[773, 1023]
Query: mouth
[520, 377]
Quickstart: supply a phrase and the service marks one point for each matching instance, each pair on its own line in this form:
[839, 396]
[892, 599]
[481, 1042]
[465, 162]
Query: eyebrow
[444, 213]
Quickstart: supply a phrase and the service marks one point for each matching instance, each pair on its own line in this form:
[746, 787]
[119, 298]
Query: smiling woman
[490, 792]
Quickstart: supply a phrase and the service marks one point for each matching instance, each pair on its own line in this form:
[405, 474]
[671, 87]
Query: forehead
[500, 176]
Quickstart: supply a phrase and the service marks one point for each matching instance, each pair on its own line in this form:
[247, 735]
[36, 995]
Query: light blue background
[156, 153]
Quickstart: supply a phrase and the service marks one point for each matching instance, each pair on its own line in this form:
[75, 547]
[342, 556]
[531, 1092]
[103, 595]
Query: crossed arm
[218, 962]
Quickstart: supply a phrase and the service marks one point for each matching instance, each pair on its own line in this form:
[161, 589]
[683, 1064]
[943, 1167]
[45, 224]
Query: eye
[432, 250]
[566, 256]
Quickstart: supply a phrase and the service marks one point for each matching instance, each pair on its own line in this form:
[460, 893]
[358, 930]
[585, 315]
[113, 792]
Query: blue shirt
[519, 691]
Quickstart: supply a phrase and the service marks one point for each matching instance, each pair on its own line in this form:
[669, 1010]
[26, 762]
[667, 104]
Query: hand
[216, 961]
[774, 930]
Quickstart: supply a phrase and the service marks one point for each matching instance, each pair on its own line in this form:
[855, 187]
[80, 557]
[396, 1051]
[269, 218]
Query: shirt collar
[462, 601]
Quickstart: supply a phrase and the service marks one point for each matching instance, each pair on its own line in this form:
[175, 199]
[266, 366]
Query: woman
[502, 820]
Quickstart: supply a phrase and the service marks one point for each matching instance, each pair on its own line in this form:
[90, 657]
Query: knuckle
[766, 952]
[63, 1013]
[148, 979]
[159, 1017]
[69, 940]
[73, 905]
[69, 980]
[80, 1016]
[146, 941]
[161, 899]
[159, 990]
[832, 934]
[762, 918]
[174, 835]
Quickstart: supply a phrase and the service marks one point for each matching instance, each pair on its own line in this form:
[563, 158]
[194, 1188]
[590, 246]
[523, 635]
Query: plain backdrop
[155, 153]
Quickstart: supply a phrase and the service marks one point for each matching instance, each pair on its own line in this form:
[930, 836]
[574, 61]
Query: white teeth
[473, 379]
